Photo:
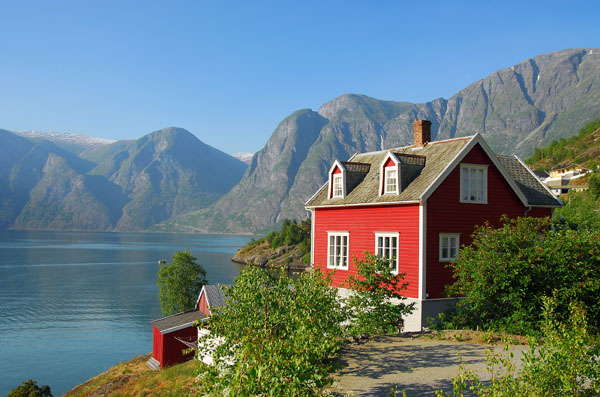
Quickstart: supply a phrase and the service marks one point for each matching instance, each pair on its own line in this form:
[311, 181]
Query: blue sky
[229, 72]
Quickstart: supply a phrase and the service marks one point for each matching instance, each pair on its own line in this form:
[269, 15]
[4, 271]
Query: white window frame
[386, 189]
[467, 192]
[456, 246]
[338, 182]
[384, 235]
[344, 255]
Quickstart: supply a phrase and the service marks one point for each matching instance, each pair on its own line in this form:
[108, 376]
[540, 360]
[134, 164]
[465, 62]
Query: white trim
[182, 326]
[477, 138]
[330, 191]
[422, 250]
[340, 234]
[540, 182]
[312, 236]
[457, 246]
[484, 192]
[200, 296]
[365, 204]
[382, 168]
[395, 235]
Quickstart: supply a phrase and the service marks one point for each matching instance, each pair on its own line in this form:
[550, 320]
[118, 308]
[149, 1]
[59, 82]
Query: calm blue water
[73, 304]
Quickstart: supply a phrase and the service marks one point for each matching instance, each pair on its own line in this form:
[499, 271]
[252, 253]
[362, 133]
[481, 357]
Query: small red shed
[418, 205]
[170, 333]
[166, 348]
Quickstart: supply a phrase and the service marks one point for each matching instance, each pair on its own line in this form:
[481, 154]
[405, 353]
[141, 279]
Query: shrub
[376, 305]
[563, 362]
[506, 271]
[277, 334]
[29, 388]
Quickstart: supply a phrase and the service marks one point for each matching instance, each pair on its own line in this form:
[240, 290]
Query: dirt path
[417, 365]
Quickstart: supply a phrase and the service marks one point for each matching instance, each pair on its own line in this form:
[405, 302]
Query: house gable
[476, 140]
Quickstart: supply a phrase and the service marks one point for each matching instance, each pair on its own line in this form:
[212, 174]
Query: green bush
[371, 307]
[30, 388]
[506, 271]
[278, 334]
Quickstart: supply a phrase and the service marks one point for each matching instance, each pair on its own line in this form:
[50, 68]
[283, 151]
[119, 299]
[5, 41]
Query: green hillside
[582, 149]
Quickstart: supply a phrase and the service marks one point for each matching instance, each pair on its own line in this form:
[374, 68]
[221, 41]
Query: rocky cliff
[516, 109]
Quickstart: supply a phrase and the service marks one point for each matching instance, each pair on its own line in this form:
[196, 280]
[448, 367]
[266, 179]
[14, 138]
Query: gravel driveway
[418, 365]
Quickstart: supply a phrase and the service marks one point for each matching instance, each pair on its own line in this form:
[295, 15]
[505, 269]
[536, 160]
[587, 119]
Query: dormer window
[388, 183]
[338, 185]
[337, 180]
[391, 180]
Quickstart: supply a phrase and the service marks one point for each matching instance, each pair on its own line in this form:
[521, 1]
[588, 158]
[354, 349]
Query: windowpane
[387, 247]
[473, 184]
[338, 190]
[449, 246]
[390, 180]
[338, 250]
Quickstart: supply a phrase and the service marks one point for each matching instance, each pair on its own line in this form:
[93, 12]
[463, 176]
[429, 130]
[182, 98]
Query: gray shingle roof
[178, 320]
[532, 188]
[438, 156]
[214, 296]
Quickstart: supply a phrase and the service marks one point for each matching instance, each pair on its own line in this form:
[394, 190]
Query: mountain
[126, 185]
[245, 157]
[516, 110]
[75, 143]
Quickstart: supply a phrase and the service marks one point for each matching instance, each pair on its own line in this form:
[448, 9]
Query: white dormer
[337, 180]
[389, 175]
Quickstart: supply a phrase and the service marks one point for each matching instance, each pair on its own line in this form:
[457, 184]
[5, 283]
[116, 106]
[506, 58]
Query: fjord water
[73, 304]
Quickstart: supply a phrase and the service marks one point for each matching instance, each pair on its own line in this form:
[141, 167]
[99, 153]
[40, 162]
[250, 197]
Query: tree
[594, 185]
[180, 283]
[579, 212]
[30, 388]
[505, 272]
[277, 334]
[376, 305]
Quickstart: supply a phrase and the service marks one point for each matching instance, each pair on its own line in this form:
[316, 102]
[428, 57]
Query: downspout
[527, 210]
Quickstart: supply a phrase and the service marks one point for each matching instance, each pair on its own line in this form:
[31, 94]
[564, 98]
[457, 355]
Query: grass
[134, 378]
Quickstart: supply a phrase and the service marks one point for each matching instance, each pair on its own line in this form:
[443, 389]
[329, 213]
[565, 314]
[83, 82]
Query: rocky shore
[261, 254]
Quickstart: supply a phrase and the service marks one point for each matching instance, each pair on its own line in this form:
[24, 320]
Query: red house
[173, 334]
[418, 204]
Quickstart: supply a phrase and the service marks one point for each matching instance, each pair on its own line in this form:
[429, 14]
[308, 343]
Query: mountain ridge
[516, 109]
[125, 185]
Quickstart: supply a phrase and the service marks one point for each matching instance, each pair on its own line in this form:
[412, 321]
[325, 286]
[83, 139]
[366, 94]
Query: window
[338, 190]
[337, 250]
[473, 183]
[449, 245]
[386, 246]
[391, 180]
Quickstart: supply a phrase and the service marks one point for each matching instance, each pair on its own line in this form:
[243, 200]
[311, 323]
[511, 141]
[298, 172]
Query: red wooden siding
[337, 170]
[203, 304]
[362, 223]
[172, 348]
[167, 350]
[389, 163]
[446, 214]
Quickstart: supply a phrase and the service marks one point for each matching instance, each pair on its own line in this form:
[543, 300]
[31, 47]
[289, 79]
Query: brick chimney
[422, 132]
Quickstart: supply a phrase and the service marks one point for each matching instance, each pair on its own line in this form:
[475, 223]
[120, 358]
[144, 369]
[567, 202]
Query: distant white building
[559, 179]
